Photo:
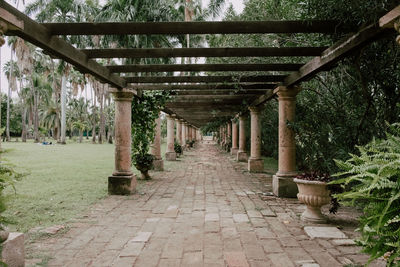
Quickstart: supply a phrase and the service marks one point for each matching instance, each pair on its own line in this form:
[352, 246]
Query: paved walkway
[205, 211]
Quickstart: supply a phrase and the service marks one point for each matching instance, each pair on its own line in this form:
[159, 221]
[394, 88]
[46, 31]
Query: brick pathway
[206, 211]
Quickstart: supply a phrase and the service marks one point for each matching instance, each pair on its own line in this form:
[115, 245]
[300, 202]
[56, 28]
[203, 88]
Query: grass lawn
[62, 181]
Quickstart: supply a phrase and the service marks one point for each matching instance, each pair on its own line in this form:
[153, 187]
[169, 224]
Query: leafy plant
[177, 148]
[144, 112]
[372, 181]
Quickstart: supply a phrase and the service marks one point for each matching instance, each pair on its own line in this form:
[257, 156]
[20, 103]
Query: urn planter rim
[302, 181]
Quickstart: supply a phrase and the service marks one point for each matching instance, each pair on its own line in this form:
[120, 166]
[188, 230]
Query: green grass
[63, 181]
[270, 165]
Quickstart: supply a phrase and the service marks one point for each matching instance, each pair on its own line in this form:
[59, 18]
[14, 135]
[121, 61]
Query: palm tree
[12, 73]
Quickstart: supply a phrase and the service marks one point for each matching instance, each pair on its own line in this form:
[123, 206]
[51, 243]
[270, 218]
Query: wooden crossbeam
[212, 97]
[193, 86]
[204, 52]
[40, 36]
[173, 28]
[205, 79]
[219, 92]
[202, 67]
[338, 51]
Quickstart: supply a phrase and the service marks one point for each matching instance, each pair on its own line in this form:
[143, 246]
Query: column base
[234, 151]
[283, 185]
[170, 156]
[241, 156]
[158, 165]
[255, 165]
[121, 185]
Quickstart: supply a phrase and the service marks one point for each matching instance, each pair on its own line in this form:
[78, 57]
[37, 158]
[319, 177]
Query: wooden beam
[333, 54]
[390, 18]
[40, 36]
[263, 98]
[219, 92]
[204, 52]
[193, 86]
[212, 97]
[202, 67]
[173, 28]
[205, 79]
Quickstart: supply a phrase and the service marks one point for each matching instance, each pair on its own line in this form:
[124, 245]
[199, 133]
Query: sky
[5, 50]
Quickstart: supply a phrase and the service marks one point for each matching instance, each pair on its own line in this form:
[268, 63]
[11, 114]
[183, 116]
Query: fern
[372, 180]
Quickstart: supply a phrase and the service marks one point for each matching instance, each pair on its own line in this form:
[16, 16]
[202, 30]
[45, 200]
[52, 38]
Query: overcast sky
[5, 50]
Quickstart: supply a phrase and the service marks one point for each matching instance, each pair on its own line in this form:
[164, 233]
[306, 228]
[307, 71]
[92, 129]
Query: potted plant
[144, 163]
[314, 192]
[178, 149]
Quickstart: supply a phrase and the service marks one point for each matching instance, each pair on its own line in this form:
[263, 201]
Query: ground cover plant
[372, 181]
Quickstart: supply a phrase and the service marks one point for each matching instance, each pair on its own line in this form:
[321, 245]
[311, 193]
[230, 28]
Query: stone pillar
[235, 147]
[241, 154]
[178, 131]
[255, 163]
[282, 183]
[170, 154]
[187, 132]
[122, 181]
[158, 163]
[229, 132]
[190, 137]
[183, 136]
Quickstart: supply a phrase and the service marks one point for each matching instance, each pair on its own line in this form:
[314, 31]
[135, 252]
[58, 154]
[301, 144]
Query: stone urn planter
[314, 194]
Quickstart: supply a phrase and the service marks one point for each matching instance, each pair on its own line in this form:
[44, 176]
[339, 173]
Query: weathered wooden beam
[202, 67]
[212, 97]
[205, 79]
[40, 36]
[192, 86]
[388, 20]
[206, 27]
[334, 53]
[204, 52]
[263, 98]
[219, 92]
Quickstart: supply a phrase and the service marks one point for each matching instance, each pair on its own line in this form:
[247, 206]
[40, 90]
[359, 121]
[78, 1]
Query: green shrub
[372, 181]
[177, 148]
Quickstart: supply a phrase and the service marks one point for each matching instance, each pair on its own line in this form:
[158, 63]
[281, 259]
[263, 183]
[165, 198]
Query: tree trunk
[94, 118]
[80, 136]
[36, 118]
[30, 121]
[8, 114]
[102, 122]
[24, 113]
[63, 108]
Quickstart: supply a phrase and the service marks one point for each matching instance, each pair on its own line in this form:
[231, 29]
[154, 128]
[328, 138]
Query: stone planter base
[283, 185]
[255, 165]
[234, 151]
[13, 250]
[158, 165]
[170, 156]
[121, 185]
[314, 194]
[241, 156]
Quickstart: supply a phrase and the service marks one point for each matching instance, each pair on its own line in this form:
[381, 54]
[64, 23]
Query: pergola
[200, 99]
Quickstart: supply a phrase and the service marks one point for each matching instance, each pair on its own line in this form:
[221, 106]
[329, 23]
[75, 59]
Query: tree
[12, 73]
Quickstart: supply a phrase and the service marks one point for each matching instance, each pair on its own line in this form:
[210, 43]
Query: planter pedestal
[314, 194]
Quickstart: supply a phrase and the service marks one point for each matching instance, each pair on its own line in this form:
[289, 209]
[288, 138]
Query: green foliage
[177, 148]
[8, 176]
[372, 181]
[145, 111]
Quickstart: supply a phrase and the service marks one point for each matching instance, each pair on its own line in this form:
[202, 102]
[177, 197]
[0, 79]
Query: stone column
[235, 147]
[255, 163]
[187, 132]
[183, 136]
[229, 131]
[190, 137]
[282, 182]
[178, 131]
[158, 163]
[122, 181]
[170, 154]
[241, 154]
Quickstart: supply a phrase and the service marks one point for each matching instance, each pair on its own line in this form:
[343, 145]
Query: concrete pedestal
[121, 185]
[283, 185]
[13, 250]
[158, 165]
[255, 165]
[170, 156]
[234, 151]
[241, 156]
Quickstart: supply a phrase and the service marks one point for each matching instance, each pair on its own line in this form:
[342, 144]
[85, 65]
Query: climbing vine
[145, 111]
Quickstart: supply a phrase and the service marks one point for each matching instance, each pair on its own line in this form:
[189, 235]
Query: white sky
[5, 50]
